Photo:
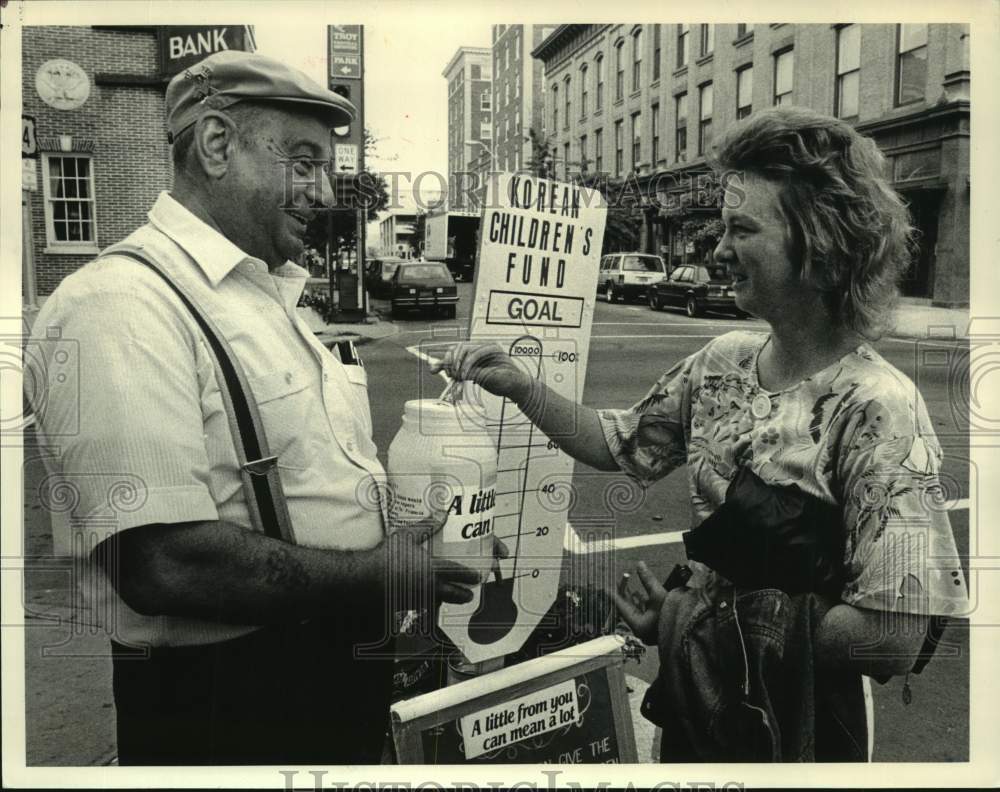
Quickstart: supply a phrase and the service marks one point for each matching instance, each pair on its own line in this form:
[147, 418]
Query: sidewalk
[372, 329]
[916, 320]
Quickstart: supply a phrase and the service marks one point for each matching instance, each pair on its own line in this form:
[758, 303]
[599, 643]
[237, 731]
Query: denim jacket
[738, 680]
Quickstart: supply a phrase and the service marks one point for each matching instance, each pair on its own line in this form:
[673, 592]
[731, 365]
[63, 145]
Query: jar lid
[422, 411]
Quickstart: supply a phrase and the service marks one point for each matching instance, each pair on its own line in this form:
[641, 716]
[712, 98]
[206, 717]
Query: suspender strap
[258, 468]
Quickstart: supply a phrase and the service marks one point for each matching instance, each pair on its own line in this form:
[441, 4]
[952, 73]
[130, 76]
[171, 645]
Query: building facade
[518, 93]
[646, 102]
[93, 111]
[470, 122]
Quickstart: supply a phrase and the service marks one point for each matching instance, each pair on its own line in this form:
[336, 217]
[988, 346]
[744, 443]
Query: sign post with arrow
[345, 59]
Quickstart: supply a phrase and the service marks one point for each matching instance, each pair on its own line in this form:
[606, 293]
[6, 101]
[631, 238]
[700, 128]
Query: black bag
[767, 536]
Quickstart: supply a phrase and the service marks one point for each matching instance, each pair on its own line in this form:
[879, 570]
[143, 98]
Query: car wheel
[609, 293]
[691, 307]
[654, 301]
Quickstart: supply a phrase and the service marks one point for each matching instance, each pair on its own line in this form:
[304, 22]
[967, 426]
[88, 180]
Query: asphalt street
[69, 704]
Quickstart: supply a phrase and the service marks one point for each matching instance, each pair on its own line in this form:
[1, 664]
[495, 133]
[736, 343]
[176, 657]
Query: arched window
[583, 90]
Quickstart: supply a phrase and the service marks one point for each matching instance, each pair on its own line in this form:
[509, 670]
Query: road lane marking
[427, 359]
[572, 543]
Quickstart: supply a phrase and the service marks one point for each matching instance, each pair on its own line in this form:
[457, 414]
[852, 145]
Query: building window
[657, 33]
[599, 150]
[743, 29]
[583, 90]
[744, 92]
[681, 134]
[636, 140]
[566, 161]
[583, 153]
[68, 188]
[683, 32]
[517, 122]
[704, 117]
[599, 93]
[784, 64]
[619, 150]
[506, 58]
[707, 40]
[566, 98]
[477, 72]
[636, 59]
[655, 120]
[484, 101]
[555, 108]
[619, 71]
[911, 64]
[848, 70]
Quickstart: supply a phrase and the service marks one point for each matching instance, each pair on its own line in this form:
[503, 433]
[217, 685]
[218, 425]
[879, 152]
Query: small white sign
[513, 721]
[346, 157]
[29, 175]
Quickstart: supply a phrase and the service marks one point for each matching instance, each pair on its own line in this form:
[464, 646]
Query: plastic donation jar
[439, 463]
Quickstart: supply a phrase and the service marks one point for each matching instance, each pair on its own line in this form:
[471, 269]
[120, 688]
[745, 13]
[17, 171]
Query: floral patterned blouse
[856, 434]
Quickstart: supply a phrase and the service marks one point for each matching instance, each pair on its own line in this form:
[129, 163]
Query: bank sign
[183, 46]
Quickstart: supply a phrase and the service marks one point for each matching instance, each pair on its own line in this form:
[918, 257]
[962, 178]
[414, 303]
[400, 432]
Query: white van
[628, 275]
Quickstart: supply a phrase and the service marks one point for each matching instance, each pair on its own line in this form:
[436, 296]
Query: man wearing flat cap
[229, 646]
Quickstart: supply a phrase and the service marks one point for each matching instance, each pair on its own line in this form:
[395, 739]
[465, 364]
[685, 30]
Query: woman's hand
[644, 620]
[486, 365]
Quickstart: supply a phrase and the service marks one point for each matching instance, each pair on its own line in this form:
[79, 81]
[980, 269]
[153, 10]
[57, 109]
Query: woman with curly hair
[815, 241]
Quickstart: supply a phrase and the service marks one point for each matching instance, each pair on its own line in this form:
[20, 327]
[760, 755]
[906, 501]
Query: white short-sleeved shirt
[856, 435]
[134, 417]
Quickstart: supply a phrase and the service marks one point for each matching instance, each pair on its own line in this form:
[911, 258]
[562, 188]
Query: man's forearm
[576, 428]
[221, 572]
[870, 642]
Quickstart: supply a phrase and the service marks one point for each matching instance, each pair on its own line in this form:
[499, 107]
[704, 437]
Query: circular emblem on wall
[62, 84]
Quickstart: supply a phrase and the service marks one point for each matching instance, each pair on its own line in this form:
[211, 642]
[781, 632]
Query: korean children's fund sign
[536, 284]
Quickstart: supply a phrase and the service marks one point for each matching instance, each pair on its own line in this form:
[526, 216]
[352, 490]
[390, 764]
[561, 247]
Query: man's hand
[643, 620]
[417, 577]
[486, 365]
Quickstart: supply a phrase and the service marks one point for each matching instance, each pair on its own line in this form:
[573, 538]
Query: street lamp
[493, 159]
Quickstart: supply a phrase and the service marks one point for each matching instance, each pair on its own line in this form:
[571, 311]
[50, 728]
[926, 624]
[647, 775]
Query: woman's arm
[576, 428]
[870, 642]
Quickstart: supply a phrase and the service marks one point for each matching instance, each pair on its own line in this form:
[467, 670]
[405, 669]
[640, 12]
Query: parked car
[628, 275]
[378, 275]
[695, 288]
[423, 284]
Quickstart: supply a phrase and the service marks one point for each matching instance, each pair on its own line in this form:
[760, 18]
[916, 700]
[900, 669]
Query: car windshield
[389, 267]
[418, 272]
[642, 264]
[712, 275]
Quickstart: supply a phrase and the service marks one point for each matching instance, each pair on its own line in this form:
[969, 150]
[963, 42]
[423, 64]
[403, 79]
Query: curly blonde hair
[850, 231]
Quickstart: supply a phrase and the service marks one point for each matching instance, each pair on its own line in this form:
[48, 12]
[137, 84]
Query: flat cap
[225, 78]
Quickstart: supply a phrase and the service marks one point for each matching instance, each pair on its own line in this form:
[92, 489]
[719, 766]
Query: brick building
[518, 92]
[646, 101]
[470, 125]
[93, 100]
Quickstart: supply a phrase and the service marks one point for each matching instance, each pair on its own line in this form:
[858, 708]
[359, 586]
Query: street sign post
[345, 69]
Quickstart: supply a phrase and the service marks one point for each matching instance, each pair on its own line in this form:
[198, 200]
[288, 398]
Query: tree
[366, 190]
[543, 156]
